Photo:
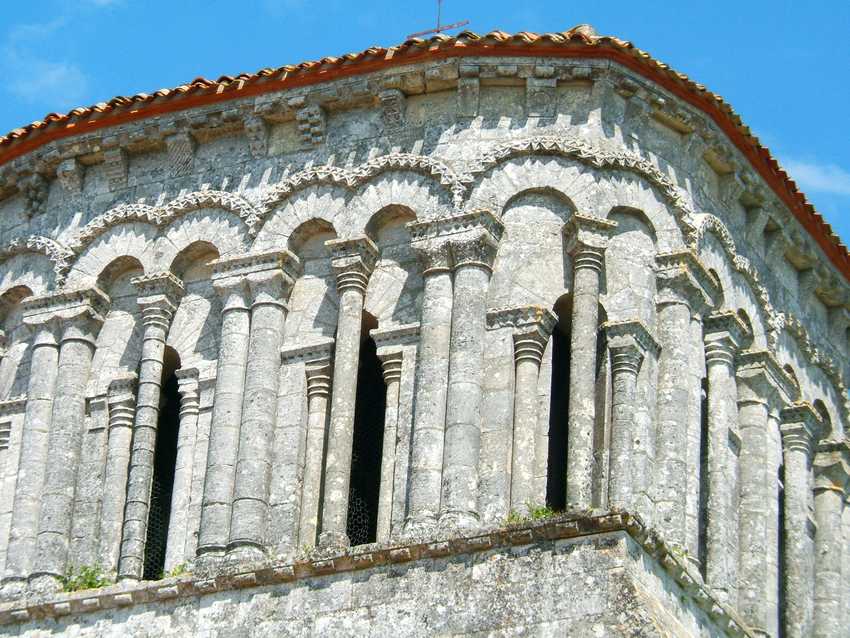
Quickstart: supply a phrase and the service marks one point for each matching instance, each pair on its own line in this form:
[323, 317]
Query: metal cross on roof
[440, 27]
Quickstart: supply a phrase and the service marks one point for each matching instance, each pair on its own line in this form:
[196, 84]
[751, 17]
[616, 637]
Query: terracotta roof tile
[580, 41]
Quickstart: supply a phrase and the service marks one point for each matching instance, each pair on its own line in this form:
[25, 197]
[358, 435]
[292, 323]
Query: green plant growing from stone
[84, 577]
[536, 512]
[178, 570]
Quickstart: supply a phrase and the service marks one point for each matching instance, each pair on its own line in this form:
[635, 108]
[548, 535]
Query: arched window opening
[369, 408]
[556, 469]
[702, 501]
[165, 458]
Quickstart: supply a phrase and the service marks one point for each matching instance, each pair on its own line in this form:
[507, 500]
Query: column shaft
[34, 448]
[250, 519]
[587, 266]
[178, 520]
[459, 505]
[318, 390]
[341, 435]
[122, 411]
[69, 410]
[353, 261]
[429, 419]
[156, 318]
[392, 377]
[226, 417]
[722, 555]
[625, 365]
[674, 320]
[525, 424]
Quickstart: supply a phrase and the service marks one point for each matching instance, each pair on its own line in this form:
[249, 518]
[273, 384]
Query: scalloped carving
[58, 254]
[161, 215]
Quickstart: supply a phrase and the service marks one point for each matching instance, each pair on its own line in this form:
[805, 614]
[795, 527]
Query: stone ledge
[242, 576]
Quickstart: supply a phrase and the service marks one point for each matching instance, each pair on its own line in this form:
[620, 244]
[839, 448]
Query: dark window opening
[165, 459]
[702, 541]
[367, 448]
[556, 472]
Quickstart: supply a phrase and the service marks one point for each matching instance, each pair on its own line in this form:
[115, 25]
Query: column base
[43, 583]
[452, 522]
[245, 550]
[329, 540]
[420, 528]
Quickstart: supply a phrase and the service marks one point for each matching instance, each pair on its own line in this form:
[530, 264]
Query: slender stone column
[724, 335]
[532, 326]
[121, 401]
[81, 314]
[763, 387]
[353, 261]
[685, 289]
[270, 283]
[801, 427]
[34, 447]
[178, 519]
[831, 471]
[159, 294]
[223, 449]
[585, 240]
[317, 369]
[473, 253]
[629, 342]
[845, 561]
[390, 343]
[432, 371]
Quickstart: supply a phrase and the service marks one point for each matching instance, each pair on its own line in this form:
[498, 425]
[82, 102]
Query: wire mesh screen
[157, 528]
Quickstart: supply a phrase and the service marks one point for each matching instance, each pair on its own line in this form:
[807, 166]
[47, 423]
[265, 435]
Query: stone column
[390, 344]
[178, 519]
[353, 261]
[585, 240]
[159, 294]
[628, 342]
[473, 253]
[34, 448]
[81, 315]
[317, 368]
[532, 326]
[724, 335]
[685, 289]
[121, 402]
[432, 372]
[801, 427]
[763, 387]
[270, 282]
[831, 472]
[223, 449]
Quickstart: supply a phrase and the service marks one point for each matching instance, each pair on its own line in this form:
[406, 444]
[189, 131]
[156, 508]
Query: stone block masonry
[476, 336]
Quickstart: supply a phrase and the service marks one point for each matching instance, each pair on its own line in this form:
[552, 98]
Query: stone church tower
[504, 335]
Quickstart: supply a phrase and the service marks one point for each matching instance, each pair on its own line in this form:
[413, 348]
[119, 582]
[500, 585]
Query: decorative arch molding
[163, 215]
[352, 179]
[614, 158]
[778, 321]
[59, 255]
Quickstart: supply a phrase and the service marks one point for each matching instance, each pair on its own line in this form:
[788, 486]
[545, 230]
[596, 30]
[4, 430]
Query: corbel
[180, 147]
[540, 96]
[70, 173]
[393, 107]
[115, 167]
[468, 90]
[257, 132]
[311, 121]
[34, 189]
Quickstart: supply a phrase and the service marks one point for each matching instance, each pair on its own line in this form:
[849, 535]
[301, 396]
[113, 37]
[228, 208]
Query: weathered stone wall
[466, 215]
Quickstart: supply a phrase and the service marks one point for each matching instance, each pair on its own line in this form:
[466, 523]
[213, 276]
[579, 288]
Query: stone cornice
[832, 465]
[621, 332]
[522, 319]
[395, 336]
[587, 233]
[562, 527]
[13, 405]
[801, 426]
[308, 352]
[66, 305]
[760, 371]
[160, 287]
[254, 263]
[728, 327]
[123, 388]
[470, 220]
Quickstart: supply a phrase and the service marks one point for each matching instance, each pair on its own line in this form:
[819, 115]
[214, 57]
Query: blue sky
[784, 65]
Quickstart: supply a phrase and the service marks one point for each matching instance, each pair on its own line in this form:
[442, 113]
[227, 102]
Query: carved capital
[532, 326]
[682, 279]
[70, 173]
[317, 351]
[77, 314]
[121, 401]
[268, 276]
[725, 334]
[452, 226]
[801, 426]
[762, 379]
[353, 260]
[188, 387]
[472, 238]
[586, 238]
[629, 342]
[159, 293]
[396, 337]
[434, 255]
[34, 188]
[832, 466]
